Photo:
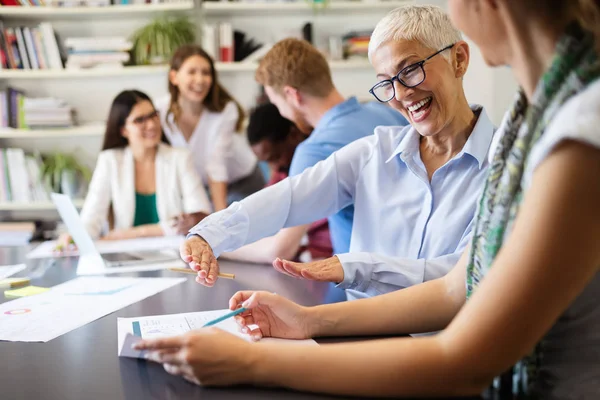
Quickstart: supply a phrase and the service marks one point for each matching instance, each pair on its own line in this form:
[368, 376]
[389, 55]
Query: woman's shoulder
[585, 106]
[112, 154]
[230, 110]
[111, 159]
[578, 119]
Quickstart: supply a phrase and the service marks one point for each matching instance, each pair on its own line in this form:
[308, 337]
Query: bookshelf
[35, 206]
[123, 11]
[222, 8]
[82, 73]
[91, 90]
[149, 70]
[209, 8]
[86, 130]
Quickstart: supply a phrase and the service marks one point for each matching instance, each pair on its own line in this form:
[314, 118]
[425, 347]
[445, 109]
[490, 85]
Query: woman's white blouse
[219, 153]
[178, 189]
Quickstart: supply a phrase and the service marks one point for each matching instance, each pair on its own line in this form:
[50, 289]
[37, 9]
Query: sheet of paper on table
[46, 249]
[102, 269]
[70, 305]
[131, 330]
[10, 270]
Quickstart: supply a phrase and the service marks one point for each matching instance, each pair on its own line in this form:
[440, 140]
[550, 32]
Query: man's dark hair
[267, 124]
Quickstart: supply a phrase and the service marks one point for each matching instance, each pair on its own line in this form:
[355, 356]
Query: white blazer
[220, 153]
[178, 189]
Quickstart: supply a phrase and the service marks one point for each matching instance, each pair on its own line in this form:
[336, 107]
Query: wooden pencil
[191, 271]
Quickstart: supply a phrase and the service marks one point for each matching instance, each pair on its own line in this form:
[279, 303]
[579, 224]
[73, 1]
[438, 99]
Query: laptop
[89, 254]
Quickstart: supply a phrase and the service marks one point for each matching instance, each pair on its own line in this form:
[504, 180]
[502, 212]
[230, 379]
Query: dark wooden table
[83, 364]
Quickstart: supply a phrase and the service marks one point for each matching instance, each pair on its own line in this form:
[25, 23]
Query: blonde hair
[295, 63]
[429, 25]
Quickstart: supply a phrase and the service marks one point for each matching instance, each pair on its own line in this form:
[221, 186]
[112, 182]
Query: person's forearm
[427, 307]
[379, 368]
[197, 217]
[149, 230]
[218, 194]
[263, 251]
[284, 244]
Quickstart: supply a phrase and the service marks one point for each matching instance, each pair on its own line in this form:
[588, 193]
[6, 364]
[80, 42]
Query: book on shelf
[97, 52]
[29, 48]
[21, 112]
[21, 178]
[226, 45]
[356, 44]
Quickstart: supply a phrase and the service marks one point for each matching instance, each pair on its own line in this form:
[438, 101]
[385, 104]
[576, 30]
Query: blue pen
[224, 317]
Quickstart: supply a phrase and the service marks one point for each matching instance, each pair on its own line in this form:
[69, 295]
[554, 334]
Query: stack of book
[356, 44]
[21, 112]
[224, 44]
[217, 41]
[29, 48]
[97, 52]
[47, 112]
[20, 177]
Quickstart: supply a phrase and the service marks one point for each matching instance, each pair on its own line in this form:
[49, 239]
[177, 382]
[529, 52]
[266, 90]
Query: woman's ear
[173, 77]
[461, 58]
[124, 132]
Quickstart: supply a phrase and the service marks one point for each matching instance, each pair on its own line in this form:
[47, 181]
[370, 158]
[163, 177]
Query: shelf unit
[81, 73]
[300, 7]
[86, 130]
[124, 11]
[149, 70]
[82, 84]
[34, 206]
[209, 8]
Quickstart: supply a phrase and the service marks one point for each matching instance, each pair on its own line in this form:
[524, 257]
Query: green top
[145, 209]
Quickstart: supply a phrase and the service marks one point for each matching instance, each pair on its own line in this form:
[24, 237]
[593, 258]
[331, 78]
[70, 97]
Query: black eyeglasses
[410, 77]
[143, 118]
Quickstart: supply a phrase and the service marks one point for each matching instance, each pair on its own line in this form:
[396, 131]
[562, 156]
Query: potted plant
[156, 42]
[62, 173]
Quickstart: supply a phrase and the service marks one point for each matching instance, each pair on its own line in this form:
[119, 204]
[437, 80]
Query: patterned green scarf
[574, 66]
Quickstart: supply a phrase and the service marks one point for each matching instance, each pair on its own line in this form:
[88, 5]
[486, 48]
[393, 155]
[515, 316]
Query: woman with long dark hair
[141, 184]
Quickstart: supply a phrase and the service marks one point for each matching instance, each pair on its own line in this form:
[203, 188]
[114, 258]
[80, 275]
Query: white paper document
[131, 330]
[68, 306]
[102, 269]
[46, 249]
[10, 270]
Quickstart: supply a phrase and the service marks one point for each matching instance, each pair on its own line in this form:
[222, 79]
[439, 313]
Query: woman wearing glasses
[414, 188]
[141, 184]
[525, 294]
